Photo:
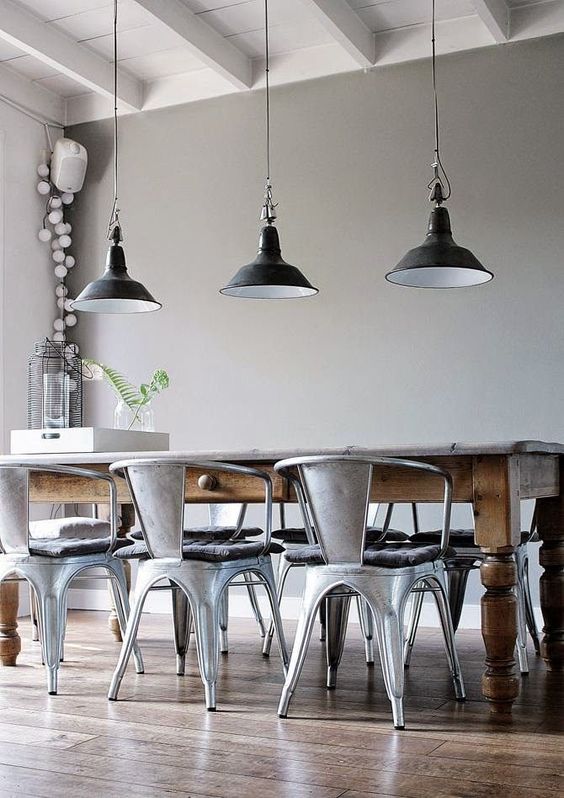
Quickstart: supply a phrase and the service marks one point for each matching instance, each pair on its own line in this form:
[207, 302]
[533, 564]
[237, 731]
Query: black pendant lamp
[268, 276]
[115, 291]
[439, 262]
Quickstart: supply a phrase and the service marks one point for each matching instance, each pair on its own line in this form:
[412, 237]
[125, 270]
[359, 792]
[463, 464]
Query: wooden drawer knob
[207, 482]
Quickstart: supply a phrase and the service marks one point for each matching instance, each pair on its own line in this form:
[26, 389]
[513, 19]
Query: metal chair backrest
[14, 502]
[158, 491]
[227, 515]
[14, 510]
[390, 508]
[337, 491]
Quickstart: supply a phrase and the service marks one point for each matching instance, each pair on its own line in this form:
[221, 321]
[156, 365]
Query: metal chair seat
[296, 536]
[211, 532]
[206, 550]
[226, 521]
[373, 534]
[68, 547]
[384, 555]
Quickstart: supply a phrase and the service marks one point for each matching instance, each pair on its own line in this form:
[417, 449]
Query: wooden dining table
[493, 477]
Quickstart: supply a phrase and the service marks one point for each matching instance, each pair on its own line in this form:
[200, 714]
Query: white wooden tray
[86, 439]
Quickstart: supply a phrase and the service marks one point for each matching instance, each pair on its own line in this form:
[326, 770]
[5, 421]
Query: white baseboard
[239, 607]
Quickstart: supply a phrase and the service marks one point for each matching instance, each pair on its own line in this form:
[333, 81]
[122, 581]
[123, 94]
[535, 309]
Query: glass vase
[141, 419]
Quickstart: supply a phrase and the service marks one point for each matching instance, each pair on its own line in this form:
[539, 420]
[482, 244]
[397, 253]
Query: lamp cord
[439, 185]
[267, 83]
[268, 212]
[114, 216]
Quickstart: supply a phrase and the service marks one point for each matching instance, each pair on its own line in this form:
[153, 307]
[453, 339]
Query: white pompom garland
[55, 231]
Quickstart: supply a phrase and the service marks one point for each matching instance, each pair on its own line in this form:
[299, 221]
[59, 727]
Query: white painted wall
[365, 362]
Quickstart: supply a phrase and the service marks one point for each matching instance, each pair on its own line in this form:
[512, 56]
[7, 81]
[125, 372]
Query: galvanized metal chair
[335, 492]
[50, 562]
[202, 569]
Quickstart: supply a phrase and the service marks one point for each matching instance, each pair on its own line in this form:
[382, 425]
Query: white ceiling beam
[204, 41]
[496, 16]
[542, 19]
[29, 96]
[346, 27]
[43, 41]
[392, 47]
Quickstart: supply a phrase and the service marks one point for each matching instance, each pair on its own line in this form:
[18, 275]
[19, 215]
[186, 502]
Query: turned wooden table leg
[126, 522]
[496, 482]
[500, 683]
[10, 641]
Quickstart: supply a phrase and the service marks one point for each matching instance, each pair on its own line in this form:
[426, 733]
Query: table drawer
[201, 486]
[220, 486]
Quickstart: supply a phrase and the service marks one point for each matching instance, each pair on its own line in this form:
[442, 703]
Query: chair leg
[207, 638]
[521, 642]
[223, 622]
[283, 568]
[267, 575]
[50, 606]
[310, 603]
[120, 596]
[390, 643]
[255, 605]
[529, 610]
[33, 615]
[323, 621]
[443, 607]
[337, 622]
[64, 625]
[129, 637]
[457, 581]
[367, 629]
[182, 622]
[412, 624]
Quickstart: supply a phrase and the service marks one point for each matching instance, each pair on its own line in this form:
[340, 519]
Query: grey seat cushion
[68, 547]
[210, 532]
[385, 555]
[373, 534]
[459, 538]
[207, 550]
[75, 527]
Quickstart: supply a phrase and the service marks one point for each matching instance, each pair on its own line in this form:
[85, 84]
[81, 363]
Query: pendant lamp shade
[115, 291]
[269, 276]
[439, 262]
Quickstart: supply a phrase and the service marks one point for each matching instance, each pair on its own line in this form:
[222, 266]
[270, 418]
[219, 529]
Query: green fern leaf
[118, 382]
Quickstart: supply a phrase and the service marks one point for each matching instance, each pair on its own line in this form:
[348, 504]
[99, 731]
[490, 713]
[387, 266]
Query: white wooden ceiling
[55, 55]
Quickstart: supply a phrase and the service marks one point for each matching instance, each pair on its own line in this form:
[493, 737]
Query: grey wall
[364, 362]
[27, 304]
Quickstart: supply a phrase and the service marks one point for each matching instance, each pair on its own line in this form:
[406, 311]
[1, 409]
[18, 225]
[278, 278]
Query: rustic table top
[272, 455]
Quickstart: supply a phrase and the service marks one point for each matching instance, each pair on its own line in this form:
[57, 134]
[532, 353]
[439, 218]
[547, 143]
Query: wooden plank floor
[158, 739]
